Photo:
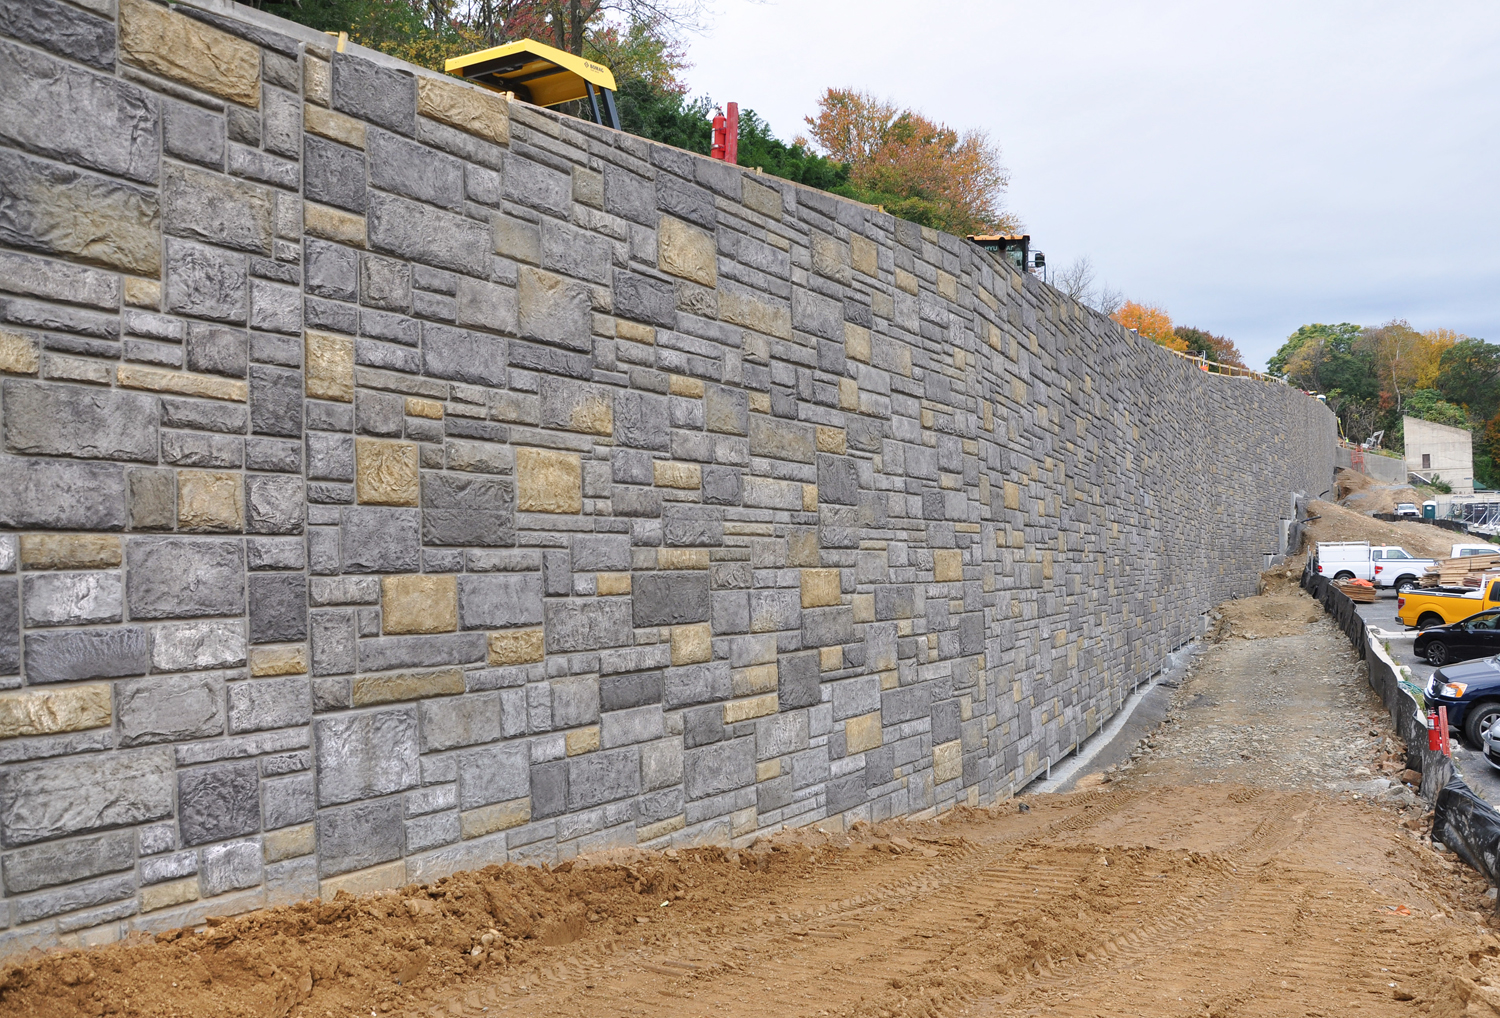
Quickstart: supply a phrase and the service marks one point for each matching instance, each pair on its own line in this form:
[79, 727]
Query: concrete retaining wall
[396, 481]
[1387, 469]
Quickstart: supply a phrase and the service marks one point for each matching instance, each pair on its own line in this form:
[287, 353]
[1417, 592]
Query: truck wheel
[1481, 716]
[1437, 653]
[1429, 619]
[1405, 583]
[1345, 575]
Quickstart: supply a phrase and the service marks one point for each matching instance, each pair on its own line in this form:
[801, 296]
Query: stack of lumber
[1358, 591]
[1465, 571]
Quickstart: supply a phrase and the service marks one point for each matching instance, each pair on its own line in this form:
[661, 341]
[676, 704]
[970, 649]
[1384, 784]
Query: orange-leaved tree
[1152, 322]
[919, 169]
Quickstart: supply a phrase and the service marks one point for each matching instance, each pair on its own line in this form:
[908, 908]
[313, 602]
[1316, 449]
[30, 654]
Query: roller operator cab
[1016, 250]
[543, 76]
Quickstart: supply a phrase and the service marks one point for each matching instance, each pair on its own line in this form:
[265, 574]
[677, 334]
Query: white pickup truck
[1383, 565]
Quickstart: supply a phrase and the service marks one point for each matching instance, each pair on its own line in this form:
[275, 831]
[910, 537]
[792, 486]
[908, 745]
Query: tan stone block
[333, 126]
[748, 312]
[906, 281]
[682, 385]
[742, 822]
[682, 558]
[635, 333]
[430, 408]
[864, 607]
[1012, 495]
[947, 565]
[890, 680]
[809, 498]
[754, 680]
[142, 293]
[516, 647]
[862, 733]
[417, 603]
[848, 394]
[365, 881]
[736, 711]
[830, 258]
[802, 547]
[467, 107]
[834, 440]
[820, 588]
[317, 79]
[762, 199]
[660, 829]
[501, 816]
[830, 659]
[372, 689]
[548, 481]
[175, 892]
[988, 410]
[667, 474]
[210, 501]
[592, 413]
[278, 661]
[385, 473]
[18, 354]
[686, 251]
[289, 842]
[49, 711]
[175, 46]
[767, 769]
[329, 366]
[947, 285]
[947, 761]
[611, 584]
[69, 551]
[133, 376]
[582, 740]
[588, 187]
[864, 255]
[333, 224]
[692, 644]
[760, 402]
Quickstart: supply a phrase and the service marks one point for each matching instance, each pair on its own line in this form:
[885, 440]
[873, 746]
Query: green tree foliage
[1205, 344]
[1469, 375]
[1429, 405]
[759, 146]
[650, 111]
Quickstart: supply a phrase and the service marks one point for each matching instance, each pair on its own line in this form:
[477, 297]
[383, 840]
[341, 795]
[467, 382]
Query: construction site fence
[1220, 368]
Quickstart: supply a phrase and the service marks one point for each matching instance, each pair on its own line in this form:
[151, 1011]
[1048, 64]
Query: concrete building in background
[1440, 452]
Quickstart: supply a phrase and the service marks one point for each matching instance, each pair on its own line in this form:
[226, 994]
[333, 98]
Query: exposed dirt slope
[1340, 524]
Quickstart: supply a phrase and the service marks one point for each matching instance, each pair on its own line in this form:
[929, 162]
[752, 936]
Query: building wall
[397, 480]
[1451, 452]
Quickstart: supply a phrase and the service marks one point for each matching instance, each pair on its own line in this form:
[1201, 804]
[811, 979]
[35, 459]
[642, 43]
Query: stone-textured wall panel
[397, 478]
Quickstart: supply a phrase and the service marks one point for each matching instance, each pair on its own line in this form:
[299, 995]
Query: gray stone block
[574, 252]
[273, 505]
[260, 704]
[494, 774]
[555, 311]
[206, 282]
[692, 684]
[630, 727]
[670, 598]
[846, 792]
[824, 627]
[540, 187]
[719, 768]
[275, 308]
[330, 456]
[905, 703]
[385, 283]
[278, 607]
[230, 867]
[415, 171]
[275, 454]
[333, 175]
[798, 680]
[216, 209]
[377, 539]
[642, 420]
[420, 651]
[333, 642]
[39, 802]
[30, 869]
[62, 29]
[587, 624]
[360, 756]
[601, 553]
[643, 299]
[174, 577]
[197, 646]
[10, 626]
[75, 654]
[633, 689]
[382, 95]
[192, 134]
[690, 525]
[431, 831]
[43, 277]
[275, 553]
[454, 721]
[58, 495]
[499, 600]
[575, 701]
[169, 708]
[361, 835]
[204, 415]
[462, 355]
[169, 867]
[287, 801]
[379, 413]
[629, 196]
[603, 776]
[838, 480]
[71, 599]
[153, 499]
[276, 402]
[424, 234]
[781, 734]
[853, 697]
[69, 899]
[330, 270]
[71, 420]
[549, 789]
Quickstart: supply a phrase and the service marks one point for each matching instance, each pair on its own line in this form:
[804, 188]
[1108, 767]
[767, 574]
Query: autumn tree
[1220, 349]
[1150, 321]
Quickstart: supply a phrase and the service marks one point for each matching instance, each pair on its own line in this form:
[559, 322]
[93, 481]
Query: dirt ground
[1257, 856]
[1337, 523]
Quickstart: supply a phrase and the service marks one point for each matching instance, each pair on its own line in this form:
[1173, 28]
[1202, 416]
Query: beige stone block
[61, 368]
[864, 255]
[635, 332]
[278, 661]
[660, 829]
[947, 761]
[365, 881]
[591, 412]
[317, 79]
[142, 293]
[515, 238]
[947, 565]
[692, 644]
[834, 440]
[749, 313]
[588, 187]
[762, 199]
[830, 258]
[686, 251]
[754, 680]
[890, 680]
[611, 584]
[864, 607]
[830, 659]
[1012, 495]
[372, 689]
[516, 647]
[548, 481]
[906, 281]
[988, 410]
[133, 376]
[49, 711]
[385, 473]
[768, 769]
[682, 385]
[820, 588]
[429, 408]
[70, 551]
[802, 547]
[947, 285]
[582, 740]
[329, 366]
[682, 558]
[417, 603]
[667, 474]
[210, 501]
[469, 108]
[501, 816]
[736, 711]
[742, 822]
[760, 402]
[175, 892]
[333, 126]
[809, 498]
[175, 46]
[18, 354]
[333, 224]
[862, 733]
[848, 394]
[289, 842]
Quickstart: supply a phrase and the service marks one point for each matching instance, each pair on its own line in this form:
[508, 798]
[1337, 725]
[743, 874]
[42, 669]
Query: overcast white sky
[1250, 167]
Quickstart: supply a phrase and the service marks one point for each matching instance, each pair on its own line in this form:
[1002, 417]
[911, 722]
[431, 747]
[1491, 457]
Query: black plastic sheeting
[1470, 826]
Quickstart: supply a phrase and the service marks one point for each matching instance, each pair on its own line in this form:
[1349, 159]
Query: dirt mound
[1336, 523]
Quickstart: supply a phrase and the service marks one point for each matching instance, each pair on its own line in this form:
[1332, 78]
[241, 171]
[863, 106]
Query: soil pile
[1339, 524]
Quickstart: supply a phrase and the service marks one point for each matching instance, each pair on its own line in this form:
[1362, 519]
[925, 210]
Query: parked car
[1469, 550]
[1471, 692]
[1396, 567]
[1408, 509]
[1419, 607]
[1476, 636]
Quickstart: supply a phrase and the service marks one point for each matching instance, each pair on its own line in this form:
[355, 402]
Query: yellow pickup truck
[1422, 608]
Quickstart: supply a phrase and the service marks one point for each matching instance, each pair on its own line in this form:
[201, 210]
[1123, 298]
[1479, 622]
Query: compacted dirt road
[1253, 859]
